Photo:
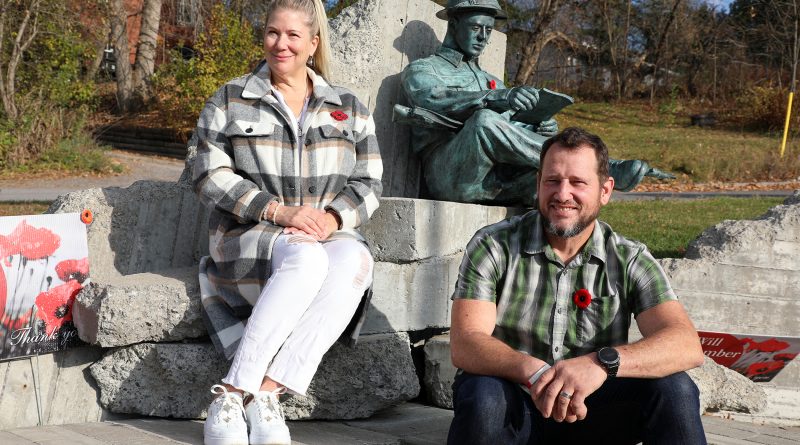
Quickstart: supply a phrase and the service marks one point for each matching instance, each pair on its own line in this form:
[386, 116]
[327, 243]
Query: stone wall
[744, 276]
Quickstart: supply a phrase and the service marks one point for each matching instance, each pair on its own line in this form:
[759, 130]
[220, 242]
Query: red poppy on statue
[339, 115]
[582, 298]
[492, 84]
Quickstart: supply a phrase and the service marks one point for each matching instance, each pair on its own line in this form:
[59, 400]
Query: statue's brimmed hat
[463, 5]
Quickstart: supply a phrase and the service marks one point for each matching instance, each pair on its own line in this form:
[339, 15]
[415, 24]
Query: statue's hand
[548, 128]
[523, 98]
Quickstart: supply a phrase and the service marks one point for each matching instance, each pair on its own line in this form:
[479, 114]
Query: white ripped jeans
[308, 301]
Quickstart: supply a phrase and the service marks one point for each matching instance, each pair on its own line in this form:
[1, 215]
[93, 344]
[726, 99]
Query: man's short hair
[576, 137]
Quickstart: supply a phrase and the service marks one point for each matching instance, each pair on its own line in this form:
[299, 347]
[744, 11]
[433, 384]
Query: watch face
[608, 355]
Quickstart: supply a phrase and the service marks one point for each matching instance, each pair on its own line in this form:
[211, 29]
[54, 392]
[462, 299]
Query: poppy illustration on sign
[44, 265]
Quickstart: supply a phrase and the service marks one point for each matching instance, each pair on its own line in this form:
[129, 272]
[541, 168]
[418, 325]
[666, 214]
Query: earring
[310, 61]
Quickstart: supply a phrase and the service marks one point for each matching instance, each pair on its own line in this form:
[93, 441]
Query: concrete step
[736, 279]
[409, 423]
[740, 312]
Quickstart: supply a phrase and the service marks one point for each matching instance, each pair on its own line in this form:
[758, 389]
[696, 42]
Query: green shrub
[764, 108]
[227, 48]
[47, 137]
[54, 68]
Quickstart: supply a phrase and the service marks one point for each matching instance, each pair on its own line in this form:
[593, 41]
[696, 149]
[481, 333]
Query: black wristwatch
[609, 358]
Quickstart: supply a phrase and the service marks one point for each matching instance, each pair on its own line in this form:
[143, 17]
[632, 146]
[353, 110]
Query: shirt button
[249, 130]
[346, 133]
[559, 310]
[312, 189]
[308, 141]
[556, 349]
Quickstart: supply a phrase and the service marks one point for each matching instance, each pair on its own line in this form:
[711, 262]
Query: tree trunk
[146, 51]
[660, 47]
[537, 39]
[124, 73]
[22, 39]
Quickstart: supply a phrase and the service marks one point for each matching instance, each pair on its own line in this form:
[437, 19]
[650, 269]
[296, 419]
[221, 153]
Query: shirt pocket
[596, 323]
[463, 82]
[333, 150]
[256, 147]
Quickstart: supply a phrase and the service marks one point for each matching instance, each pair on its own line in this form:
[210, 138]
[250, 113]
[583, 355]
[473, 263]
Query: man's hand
[523, 98]
[579, 377]
[306, 219]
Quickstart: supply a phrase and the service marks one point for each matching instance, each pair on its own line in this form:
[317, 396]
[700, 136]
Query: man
[556, 287]
[472, 148]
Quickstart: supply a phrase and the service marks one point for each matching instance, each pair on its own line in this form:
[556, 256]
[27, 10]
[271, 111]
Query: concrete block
[173, 380]
[414, 296]
[372, 41]
[723, 389]
[404, 230]
[139, 308]
[752, 279]
[439, 371]
[56, 386]
[741, 313]
[731, 237]
[148, 227]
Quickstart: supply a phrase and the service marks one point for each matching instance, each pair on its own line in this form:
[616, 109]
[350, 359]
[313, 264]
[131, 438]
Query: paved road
[410, 424]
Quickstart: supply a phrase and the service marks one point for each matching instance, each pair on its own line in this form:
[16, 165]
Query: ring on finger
[565, 395]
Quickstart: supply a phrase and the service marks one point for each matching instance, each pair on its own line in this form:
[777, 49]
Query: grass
[22, 208]
[662, 137]
[667, 226]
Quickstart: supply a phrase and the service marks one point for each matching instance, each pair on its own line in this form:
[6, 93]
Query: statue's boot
[628, 174]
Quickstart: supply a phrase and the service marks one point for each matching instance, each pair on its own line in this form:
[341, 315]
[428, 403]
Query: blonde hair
[317, 22]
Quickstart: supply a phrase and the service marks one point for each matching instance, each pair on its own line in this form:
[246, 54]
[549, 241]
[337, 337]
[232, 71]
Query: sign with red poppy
[44, 263]
[758, 357]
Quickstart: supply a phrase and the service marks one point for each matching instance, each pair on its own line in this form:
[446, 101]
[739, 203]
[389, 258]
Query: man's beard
[570, 231]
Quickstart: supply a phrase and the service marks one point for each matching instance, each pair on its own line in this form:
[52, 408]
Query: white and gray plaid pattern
[247, 158]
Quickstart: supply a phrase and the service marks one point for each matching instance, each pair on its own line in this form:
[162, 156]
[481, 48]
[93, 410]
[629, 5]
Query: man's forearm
[666, 352]
[479, 353]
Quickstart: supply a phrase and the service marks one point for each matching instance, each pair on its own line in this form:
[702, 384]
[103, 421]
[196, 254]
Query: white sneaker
[265, 418]
[225, 424]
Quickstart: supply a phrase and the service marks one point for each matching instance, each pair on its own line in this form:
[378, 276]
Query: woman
[289, 166]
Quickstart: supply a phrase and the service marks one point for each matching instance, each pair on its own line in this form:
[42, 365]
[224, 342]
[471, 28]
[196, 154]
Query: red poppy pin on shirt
[339, 115]
[582, 298]
[492, 84]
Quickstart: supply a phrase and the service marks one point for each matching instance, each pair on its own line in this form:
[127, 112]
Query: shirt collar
[259, 86]
[455, 57]
[535, 242]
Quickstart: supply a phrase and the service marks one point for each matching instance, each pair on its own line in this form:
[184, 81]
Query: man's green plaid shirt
[511, 264]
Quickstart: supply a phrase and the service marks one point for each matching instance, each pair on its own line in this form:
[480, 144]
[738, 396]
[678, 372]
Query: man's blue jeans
[491, 410]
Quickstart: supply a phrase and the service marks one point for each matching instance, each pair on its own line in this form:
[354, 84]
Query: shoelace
[271, 400]
[226, 396]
